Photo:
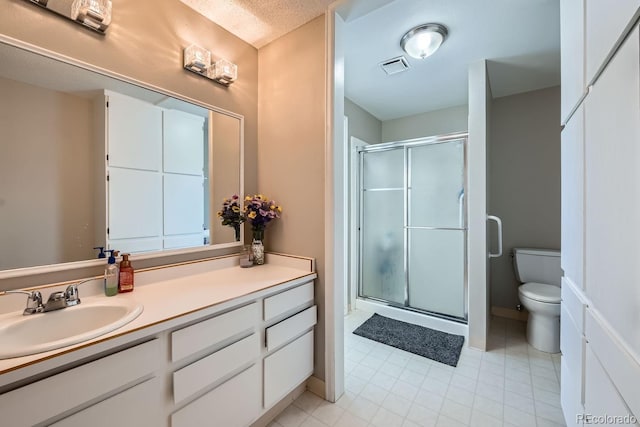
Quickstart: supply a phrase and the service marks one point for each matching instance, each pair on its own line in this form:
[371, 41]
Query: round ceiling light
[423, 40]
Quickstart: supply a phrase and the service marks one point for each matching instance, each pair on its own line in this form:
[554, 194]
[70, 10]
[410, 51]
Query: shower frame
[405, 145]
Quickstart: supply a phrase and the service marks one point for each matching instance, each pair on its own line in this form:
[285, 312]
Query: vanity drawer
[194, 338]
[69, 389]
[137, 405]
[206, 371]
[287, 368]
[286, 330]
[287, 300]
[236, 403]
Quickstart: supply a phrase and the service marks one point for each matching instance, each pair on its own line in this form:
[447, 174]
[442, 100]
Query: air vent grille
[395, 65]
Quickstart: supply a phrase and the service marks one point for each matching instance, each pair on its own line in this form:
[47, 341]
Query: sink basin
[36, 333]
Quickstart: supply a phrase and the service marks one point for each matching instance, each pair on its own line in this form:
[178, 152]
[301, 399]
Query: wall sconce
[95, 14]
[198, 60]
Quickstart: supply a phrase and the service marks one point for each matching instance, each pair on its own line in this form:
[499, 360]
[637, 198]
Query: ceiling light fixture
[423, 41]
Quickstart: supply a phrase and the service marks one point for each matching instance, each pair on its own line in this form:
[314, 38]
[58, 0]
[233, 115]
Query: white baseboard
[510, 313]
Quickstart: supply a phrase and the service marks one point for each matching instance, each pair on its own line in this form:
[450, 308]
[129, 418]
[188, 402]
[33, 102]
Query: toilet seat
[541, 292]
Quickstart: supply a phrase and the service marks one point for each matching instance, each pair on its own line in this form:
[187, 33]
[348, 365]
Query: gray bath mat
[435, 345]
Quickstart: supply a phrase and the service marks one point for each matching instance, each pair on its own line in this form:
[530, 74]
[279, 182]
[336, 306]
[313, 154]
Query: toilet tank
[537, 265]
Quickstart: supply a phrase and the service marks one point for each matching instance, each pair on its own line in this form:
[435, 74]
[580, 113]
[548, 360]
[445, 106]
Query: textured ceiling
[520, 39]
[259, 22]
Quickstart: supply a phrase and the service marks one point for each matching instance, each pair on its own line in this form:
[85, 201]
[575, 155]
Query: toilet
[539, 271]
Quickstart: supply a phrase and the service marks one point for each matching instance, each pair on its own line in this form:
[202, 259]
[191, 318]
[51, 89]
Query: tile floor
[512, 384]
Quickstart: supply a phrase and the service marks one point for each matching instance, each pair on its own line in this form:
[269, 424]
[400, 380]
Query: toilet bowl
[542, 301]
[539, 271]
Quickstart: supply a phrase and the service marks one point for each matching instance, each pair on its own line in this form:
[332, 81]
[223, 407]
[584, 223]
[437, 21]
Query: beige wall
[525, 181]
[291, 130]
[145, 42]
[44, 164]
[362, 124]
[439, 122]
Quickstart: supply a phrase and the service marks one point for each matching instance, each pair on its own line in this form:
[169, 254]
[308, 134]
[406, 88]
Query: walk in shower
[412, 225]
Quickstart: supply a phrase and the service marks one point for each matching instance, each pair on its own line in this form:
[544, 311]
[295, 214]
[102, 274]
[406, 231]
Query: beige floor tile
[512, 384]
[386, 418]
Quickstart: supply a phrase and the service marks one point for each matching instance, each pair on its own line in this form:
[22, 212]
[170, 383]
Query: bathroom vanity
[216, 345]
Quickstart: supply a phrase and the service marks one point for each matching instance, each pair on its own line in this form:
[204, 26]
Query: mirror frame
[199, 250]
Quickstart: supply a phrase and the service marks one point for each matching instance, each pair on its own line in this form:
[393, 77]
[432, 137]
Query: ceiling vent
[395, 65]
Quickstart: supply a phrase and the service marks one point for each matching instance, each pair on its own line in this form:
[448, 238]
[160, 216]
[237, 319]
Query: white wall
[479, 122]
[524, 169]
[362, 124]
[439, 122]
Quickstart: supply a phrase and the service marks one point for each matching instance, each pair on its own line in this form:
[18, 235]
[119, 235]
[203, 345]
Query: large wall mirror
[90, 161]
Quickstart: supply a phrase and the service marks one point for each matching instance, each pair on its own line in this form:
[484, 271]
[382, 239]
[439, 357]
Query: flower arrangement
[231, 214]
[259, 211]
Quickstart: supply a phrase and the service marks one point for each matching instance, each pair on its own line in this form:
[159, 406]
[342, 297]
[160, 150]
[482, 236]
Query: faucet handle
[71, 295]
[34, 301]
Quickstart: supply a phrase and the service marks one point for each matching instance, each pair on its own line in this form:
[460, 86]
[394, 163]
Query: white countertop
[175, 292]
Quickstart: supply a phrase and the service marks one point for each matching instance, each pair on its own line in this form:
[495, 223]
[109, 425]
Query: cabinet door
[285, 369]
[235, 403]
[46, 399]
[612, 188]
[134, 133]
[139, 406]
[183, 204]
[605, 23]
[572, 203]
[572, 363]
[601, 396]
[183, 142]
[572, 54]
[135, 204]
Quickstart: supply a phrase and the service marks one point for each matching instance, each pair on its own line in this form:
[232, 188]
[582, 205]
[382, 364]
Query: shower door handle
[499, 223]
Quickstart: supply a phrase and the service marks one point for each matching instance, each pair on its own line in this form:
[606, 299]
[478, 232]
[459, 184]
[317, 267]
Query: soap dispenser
[101, 251]
[126, 275]
[111, 275]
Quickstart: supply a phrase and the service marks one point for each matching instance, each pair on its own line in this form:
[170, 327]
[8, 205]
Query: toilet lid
[541, 292]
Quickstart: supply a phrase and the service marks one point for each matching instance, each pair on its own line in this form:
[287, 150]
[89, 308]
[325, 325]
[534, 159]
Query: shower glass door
[382, 219]
[436, 228]
[413, 225]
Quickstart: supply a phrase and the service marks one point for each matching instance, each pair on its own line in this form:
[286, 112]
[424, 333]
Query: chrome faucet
[56, 301]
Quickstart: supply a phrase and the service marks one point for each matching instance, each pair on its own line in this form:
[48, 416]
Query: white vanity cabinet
[288, 342]
[224, 365]
[102, 391]
[226, 349]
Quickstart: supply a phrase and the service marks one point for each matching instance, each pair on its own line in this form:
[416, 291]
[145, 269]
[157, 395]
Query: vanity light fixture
[198, 60]
[95, 14]
[423, 41]
[223, 71]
